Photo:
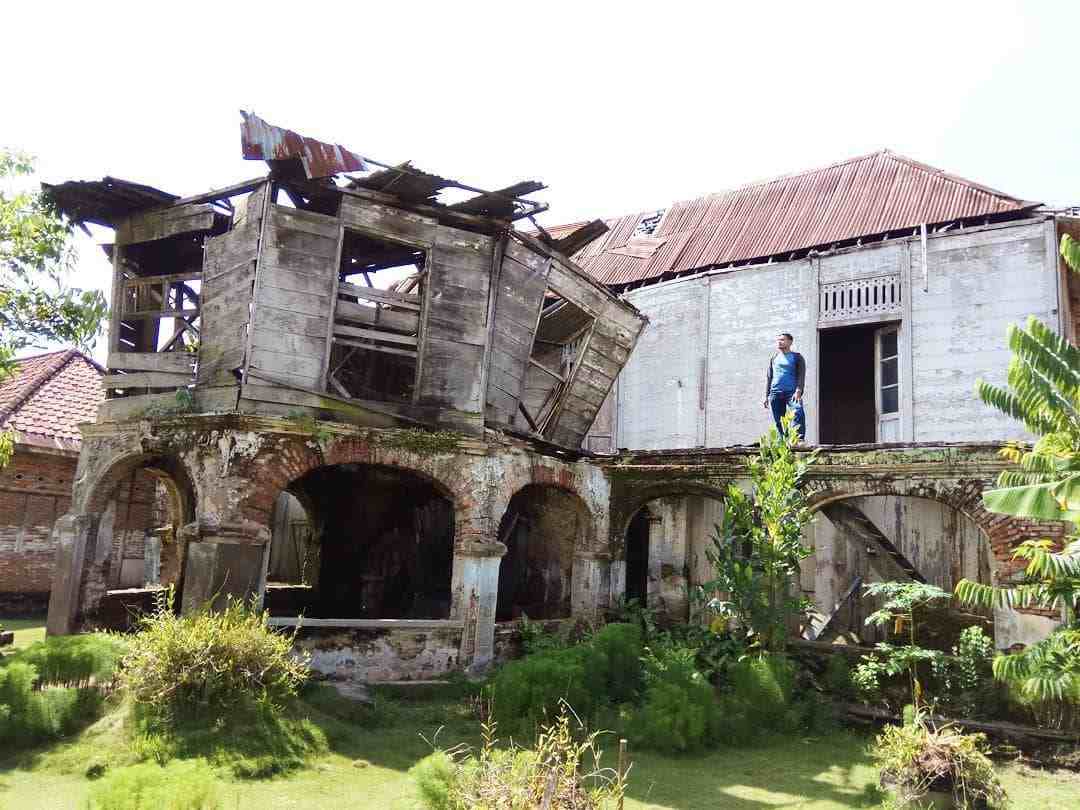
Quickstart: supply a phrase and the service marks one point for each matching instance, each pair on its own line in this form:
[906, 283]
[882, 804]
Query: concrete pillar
[220, 565]
[591, 584]
[152, 558]
[74, 536]
[475, 593]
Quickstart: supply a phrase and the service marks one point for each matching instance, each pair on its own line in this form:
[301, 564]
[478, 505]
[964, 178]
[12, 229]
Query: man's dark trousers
[778, 403]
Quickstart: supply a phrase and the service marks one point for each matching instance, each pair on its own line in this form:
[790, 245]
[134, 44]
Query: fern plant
[1043, 392]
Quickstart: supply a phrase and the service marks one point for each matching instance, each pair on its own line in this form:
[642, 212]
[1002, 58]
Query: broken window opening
[377, 320]
[385, 541]
[556, 352]
[541, 529]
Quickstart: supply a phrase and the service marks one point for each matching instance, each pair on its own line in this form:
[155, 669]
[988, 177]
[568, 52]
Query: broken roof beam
[224, 193]
[572, 243]
[501, 204]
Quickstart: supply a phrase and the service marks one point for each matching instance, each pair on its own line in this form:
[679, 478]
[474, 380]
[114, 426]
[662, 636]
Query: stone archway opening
[372, 542]
[664, 550]
[859, 540]
[121, 544]
[542, 528]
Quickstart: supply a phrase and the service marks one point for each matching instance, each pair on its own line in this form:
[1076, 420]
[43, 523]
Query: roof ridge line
[67, 354]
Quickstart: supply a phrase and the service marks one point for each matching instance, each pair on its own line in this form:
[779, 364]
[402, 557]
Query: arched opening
[665, 547]
[864, 539]
[541, 528]
[143, 503]
[381, 545]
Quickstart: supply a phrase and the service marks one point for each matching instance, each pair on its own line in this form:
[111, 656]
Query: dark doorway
[848, 414]
[637, 557]
[386, 540]
[541, 528]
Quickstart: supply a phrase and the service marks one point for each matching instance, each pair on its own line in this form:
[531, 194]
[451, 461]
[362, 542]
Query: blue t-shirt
[785, 376]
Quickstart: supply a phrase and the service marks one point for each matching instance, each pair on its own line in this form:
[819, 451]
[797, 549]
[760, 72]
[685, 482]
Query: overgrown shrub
[47, 690]
[680, 711]
[600, 672]
[964, 681]
[220, 685]
[612, 662]
[917, 758]
[178, 786]
[837, 678]
[526, 692]
[551, 775]
[210, 664]
[75, 660]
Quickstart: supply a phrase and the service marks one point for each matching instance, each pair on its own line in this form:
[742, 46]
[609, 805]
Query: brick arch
[1002, 532]
[963, 495]
[626, 509]
[170, 469]
[560, 483]
[287, 460]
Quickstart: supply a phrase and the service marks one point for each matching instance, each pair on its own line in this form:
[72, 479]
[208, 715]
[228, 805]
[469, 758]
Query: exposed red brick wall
[35, 489]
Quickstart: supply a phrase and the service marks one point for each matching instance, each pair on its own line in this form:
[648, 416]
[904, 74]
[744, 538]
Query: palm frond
[1048, 353]
[1028, 501]
[1070, 251]
[1011, 404]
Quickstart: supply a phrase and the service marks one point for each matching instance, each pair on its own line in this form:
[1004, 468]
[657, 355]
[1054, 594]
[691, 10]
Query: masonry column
[223, 561]
[590, 584]
[75, 537]
[475, 593]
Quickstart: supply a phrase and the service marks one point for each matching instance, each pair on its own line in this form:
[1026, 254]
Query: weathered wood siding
[228, 278]
[293, 289]
[518, 298]
[163, 223]
[453, 331]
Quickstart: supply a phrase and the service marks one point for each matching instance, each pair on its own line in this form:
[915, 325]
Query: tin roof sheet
[858, 198]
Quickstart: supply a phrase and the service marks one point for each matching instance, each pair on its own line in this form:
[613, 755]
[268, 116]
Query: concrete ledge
[369, 624]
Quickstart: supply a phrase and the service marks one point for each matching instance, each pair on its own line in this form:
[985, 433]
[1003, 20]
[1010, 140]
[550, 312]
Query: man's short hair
[788, 336]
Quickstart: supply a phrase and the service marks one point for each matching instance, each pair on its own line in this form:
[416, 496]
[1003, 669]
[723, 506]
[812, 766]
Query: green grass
[369, 753]
[27, 631]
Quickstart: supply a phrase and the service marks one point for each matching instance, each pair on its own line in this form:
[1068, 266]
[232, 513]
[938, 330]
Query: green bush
[75, 660]
[837, 677]
[612, 662]
[210, 664]
[179, 786]
[763, 685]
[526, 692]
[30, 715]
[517, 778]
[680, 711]
[435, 777]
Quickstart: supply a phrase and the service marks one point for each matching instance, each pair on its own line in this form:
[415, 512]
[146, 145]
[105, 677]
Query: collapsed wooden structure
[267, 297]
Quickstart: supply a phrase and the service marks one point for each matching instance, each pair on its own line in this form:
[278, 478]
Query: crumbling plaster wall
[233, 467]
[930, 495]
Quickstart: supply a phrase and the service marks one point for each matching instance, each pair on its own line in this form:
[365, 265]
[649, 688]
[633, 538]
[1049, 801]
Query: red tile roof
[49, 396]
[858, 198]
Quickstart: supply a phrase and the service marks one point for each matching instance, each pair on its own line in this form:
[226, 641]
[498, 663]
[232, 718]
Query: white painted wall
[978, 282]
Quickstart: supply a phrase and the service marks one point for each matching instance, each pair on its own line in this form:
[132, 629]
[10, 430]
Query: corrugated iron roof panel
[862, 197]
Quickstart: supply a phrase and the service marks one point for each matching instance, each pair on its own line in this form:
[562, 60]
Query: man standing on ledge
[784, 384]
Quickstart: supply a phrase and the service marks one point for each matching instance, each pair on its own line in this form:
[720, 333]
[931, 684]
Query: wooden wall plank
[386, 222]
[174, 362]
[149, 226]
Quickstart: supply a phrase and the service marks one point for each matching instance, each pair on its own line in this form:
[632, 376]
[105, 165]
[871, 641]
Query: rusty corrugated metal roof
[858, 198]
[263, 141]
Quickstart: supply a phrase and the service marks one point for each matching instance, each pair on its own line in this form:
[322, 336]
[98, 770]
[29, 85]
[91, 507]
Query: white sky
[618, 107]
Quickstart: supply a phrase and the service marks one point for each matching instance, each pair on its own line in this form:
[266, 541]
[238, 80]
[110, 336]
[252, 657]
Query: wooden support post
[622, 770]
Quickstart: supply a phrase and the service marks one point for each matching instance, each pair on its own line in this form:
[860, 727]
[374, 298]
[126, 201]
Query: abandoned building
[364, 385]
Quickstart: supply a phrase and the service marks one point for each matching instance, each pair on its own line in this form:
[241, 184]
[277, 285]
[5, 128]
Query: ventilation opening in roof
[649, 223]
[377, 320]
